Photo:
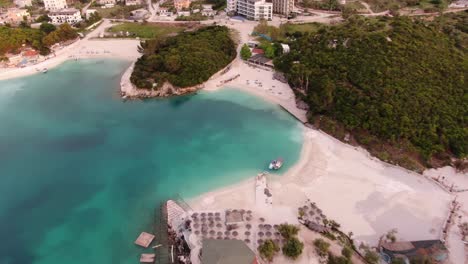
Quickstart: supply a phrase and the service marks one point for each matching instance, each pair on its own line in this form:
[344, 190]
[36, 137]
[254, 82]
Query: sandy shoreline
[86, 48]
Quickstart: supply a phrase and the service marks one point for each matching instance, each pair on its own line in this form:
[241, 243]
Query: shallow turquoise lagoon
[81, 171]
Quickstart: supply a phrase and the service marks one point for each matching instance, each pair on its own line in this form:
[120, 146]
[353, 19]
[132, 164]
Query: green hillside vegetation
[185, 60]
[398, 85]
[6, 3]
[146, 30]
[12, 39]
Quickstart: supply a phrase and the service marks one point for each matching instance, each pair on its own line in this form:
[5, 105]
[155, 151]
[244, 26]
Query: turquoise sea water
[81, 171]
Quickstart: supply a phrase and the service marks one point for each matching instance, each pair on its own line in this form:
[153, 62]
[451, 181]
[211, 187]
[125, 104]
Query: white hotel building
[53, 5]
[251, 9]
[70, 16]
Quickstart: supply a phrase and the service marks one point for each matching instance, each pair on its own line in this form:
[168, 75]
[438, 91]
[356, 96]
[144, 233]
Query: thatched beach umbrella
[204, 232]
[311, 213]
[277, 241]
[268, 227]
[219, 238]
[235, 233]
[277, 233]
[261, 234]
[219, 233]
[227, 233]
[217, 214]
[249, 211]
[212, 225]
[234, 211]
[242, 211]
[247, 240]
[195, 214]
[248, 218]
[212, 232]
[210, 214]
[197, 232]
[219, 225]
[196, 226]
[248, 226]
[317, 218]
[260, 241]
[268, 234]
[247, 233]
[226, 238]
[203, 214]
[262, 219]
[260, 226]
[276, 226]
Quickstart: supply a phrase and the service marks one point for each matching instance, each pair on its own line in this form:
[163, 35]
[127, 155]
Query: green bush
[268, 249]
[293, 248]
[321, 246]
[288, 231]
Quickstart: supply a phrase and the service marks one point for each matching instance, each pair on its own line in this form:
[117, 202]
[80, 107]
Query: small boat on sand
[276, 164]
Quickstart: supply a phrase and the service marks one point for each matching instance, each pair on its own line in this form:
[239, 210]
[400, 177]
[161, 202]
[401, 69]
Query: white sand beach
[88, 47]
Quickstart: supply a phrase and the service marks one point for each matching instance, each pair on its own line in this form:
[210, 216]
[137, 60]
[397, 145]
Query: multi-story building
[255, 9]
[231, 6]
[23, 3]
[283, 7]
[181, 4]
[70, 16]
[54, 5]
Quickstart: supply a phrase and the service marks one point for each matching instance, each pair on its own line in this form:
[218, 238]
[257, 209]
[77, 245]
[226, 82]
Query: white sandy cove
[88, 47]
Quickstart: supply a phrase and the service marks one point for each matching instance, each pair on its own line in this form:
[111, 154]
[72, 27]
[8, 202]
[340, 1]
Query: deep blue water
[81, 171]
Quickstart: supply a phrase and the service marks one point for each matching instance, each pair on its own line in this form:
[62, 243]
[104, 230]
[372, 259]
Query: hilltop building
[70, 16]
[283, 7]
[254, 9]
[54, 5]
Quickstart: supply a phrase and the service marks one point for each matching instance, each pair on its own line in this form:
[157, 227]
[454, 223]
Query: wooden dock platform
[144, 239]
[147, 258]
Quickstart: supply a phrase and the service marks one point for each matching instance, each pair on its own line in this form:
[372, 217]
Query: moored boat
[276, 164]
[44, 70]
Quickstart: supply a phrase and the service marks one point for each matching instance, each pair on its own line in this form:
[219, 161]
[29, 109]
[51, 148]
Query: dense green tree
[47, 27]
[245, 52]
[401, 80]
[268, 249]
[185, 60]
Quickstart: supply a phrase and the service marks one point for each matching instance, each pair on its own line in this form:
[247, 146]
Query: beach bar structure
[261, 60]
[144, 239]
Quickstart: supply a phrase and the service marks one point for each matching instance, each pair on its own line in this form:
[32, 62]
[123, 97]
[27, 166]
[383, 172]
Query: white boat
[44, 70]
[276, 164]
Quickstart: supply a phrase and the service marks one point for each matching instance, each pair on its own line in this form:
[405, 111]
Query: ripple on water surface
[82, 171]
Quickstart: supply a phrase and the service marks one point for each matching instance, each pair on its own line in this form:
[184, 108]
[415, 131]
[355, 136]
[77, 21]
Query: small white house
[132, 2]
[70, 16]
[183, 13]
[164, 11]
[207, 10]
[286, 48]
[23, 3]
